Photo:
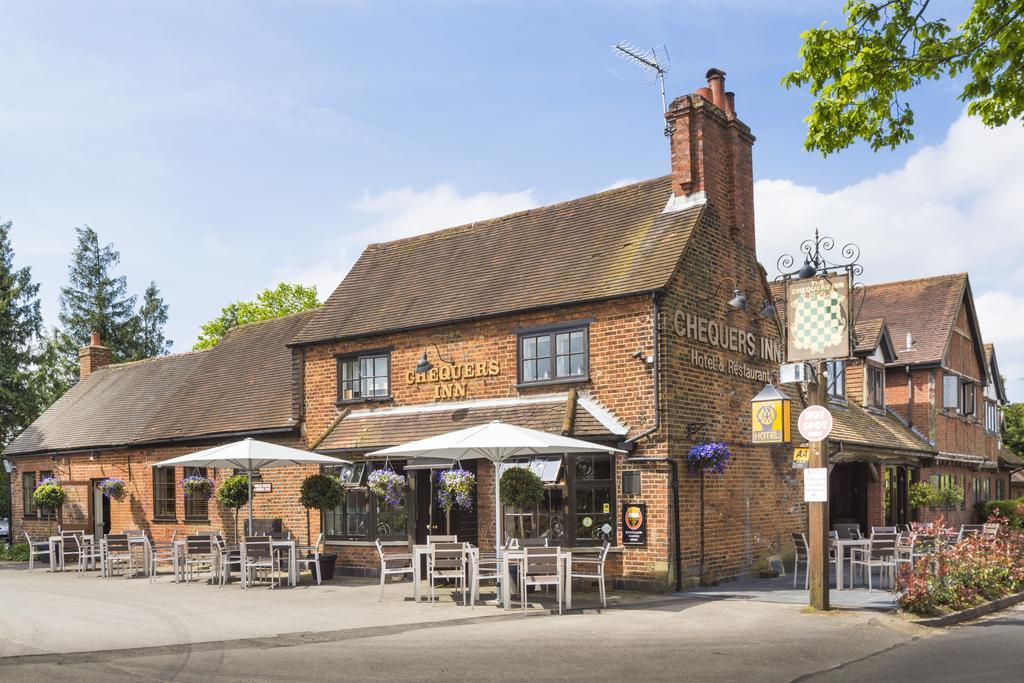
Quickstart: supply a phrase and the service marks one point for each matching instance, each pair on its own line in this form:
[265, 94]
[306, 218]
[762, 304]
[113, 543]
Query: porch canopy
[250, 455]
[498, 442]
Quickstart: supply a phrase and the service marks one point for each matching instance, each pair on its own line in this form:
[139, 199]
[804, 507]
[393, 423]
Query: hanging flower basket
[197, 487]
[388, 486]
[455, 489]
[112, 488]
[708, 458]
[48, 494]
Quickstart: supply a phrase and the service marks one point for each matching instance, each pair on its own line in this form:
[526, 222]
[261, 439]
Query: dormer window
[876, 386]
[836, 379]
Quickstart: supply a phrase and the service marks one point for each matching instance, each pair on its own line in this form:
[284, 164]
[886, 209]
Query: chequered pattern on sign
[818, 321]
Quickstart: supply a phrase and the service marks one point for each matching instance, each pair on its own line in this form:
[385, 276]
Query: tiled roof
[242, 384]
[109, 407]
[606, 245]
[855, 425]
[1009, 458]
[867, 332]
[926, 308]
[992, 365]
[372, 429]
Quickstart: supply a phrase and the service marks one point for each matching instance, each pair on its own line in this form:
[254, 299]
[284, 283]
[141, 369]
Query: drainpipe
[671, 462]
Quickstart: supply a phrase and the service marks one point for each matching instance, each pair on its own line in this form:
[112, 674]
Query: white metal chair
[36, 549]
[880, 552]
[117, 551]
[802, 554]
[69, 547]
[592, 568]
[258, 555]
[392, 564]
[198, 555]
[970, 530]
[89, 552]
[160, 553]
[486, 567]
[431, 540]
[447, 562]
[542, 566]
[224, 556]
[990, 530]
[883, 530]
[312, 559]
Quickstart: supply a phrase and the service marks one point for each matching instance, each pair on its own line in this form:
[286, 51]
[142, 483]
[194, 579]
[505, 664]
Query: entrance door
[100, 511]
[432, 520]
[897, 486]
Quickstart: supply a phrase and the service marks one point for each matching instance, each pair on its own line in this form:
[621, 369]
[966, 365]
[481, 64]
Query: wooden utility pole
[817, 513]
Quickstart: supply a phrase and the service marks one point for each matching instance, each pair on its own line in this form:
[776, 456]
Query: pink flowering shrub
[961, 575]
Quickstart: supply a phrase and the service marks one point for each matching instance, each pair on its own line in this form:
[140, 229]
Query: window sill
[550, 382]
[360, 401]
[197, 520]
[165, 520]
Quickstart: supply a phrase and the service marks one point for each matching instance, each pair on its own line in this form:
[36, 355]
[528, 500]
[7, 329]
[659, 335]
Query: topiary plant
[321, 492]
[922, 494]
[233, 493]
[522, 490]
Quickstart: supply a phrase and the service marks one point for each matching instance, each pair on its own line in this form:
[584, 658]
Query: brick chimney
[93, 357]
[711, 157]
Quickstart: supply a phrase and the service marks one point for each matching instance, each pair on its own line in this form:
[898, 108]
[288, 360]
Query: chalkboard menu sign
[634, 524]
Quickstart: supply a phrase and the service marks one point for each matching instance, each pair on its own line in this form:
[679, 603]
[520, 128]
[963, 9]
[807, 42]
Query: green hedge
[1012, 509]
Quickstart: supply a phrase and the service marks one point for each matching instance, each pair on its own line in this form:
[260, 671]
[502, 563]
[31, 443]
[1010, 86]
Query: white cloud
[397, 213]
[953, 207]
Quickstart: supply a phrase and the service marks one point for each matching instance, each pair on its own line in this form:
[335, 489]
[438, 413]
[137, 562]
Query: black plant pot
[327, 563]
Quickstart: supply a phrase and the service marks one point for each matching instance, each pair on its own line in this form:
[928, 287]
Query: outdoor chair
[161, 553]
[36, 549]
[923, 545]
[392, 564]
[431, 540]
[224, 557]
[969, 530]
[311, 559]
[884, 530]
[904, 549]
[592, 568]
[447, 562]
[880, 552]
[802, 554]
[117, 551]
[198, 555]
[69, 547]
[88, 552]
[991, 530]
[258, 555]
[486, 567]
[541, 566]
[847, 531]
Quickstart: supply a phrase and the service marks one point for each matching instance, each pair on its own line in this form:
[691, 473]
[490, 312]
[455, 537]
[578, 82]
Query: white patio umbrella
[250, 455]
[496, 441]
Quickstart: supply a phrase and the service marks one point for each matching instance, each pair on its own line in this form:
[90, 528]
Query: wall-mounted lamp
[424, 365]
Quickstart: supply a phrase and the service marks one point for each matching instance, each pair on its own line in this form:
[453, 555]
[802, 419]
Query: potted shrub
[112, 488]
[387, 485]
[322, 492]
[521, 490]
[49, 495]
[455, 489]
[199, 488]
[233, 494]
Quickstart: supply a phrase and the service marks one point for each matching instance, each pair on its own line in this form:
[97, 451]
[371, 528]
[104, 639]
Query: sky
[224, 147]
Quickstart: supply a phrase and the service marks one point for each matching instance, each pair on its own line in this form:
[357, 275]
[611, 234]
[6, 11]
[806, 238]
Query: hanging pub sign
[818, 318]
[634, 524]
[769, 417]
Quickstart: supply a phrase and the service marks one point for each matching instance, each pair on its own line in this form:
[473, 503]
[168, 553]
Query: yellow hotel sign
[770, 417]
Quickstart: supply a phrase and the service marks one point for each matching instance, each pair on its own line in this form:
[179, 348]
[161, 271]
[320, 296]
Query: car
[5, 527]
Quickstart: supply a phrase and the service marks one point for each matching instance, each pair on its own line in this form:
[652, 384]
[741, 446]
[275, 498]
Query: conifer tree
[149, 338]
[20, 325]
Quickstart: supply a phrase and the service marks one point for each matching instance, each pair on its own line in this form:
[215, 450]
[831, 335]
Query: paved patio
[48, 613]
[780, 590]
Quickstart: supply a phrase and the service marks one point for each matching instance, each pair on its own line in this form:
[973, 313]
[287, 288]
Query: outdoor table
[293, 567]
[56, 542]
[841, 544]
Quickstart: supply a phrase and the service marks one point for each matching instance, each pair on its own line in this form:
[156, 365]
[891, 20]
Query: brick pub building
[604, 318]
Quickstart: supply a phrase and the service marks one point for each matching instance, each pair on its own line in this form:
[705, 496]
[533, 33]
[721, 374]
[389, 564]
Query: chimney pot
[94, 338]
[730, 104]
[705, 92]
[716, 81]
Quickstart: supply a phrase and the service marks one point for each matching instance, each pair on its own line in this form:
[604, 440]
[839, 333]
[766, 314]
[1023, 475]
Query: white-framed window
[993, 418]
[958, 393]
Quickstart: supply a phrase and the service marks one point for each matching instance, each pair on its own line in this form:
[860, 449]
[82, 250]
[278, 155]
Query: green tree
[1013, 431]
[270, 303]
[858, 73]
[149, 335]
[96, 299]
[20, 326]
[54, 371]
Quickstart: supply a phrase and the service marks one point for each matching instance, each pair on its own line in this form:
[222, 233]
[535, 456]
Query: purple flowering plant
[112, 488]
[196, 486]
[455, 489]
[388, 485]
[708, 458]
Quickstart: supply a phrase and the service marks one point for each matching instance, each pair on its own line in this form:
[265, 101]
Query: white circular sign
[815, 423]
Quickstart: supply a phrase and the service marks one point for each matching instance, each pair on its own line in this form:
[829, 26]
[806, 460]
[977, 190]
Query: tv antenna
[655, 62]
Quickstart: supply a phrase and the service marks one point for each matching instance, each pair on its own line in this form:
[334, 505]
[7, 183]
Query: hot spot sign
[770, 417]
[815, 423]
